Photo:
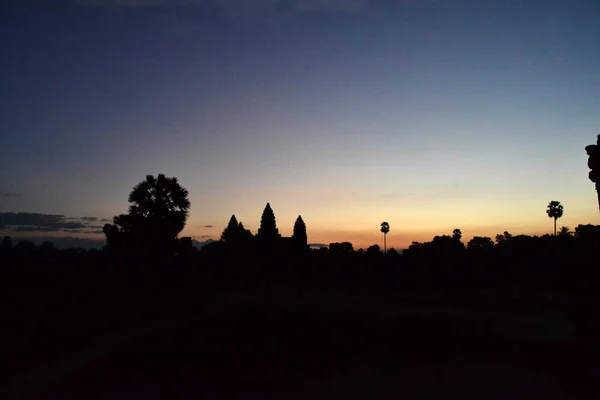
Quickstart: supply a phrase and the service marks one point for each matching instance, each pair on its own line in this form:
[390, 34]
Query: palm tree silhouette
[555, 211]
[385, 228]
[161, 205]
[564, 231]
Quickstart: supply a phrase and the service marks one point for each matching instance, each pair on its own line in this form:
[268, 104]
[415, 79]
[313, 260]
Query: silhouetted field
[292, 330]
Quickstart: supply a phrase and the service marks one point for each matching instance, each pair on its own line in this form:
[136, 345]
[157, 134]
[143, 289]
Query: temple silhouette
[268, 234]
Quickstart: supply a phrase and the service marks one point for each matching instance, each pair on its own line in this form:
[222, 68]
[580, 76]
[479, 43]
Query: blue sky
[431, 115]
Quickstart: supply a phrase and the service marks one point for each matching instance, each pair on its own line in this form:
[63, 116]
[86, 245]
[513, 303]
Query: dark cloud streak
[36, 222]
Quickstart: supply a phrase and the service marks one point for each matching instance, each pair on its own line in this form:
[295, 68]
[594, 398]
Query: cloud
[105, 220]
[209, 226]
[36, 222]
[8, 195]
[33, 229]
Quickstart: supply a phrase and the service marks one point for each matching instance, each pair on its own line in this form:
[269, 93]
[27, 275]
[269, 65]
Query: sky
[428, 114]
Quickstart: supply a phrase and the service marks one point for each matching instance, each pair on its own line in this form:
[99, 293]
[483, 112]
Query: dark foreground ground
[250, 350]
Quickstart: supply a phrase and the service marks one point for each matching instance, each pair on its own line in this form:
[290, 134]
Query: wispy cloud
[9, 195]
[36, 222]
[209, 226]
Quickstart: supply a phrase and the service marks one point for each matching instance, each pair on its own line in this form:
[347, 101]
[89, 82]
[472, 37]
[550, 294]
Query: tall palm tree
[555, 211]
[160, 206]
[385, 228]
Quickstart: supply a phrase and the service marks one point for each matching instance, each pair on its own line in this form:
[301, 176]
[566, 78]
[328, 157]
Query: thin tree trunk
[384, 243]
[554, 226]
[597, 191]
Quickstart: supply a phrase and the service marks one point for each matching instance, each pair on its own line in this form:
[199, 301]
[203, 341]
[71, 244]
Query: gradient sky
[431, 115]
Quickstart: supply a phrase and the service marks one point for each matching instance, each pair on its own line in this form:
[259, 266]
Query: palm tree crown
[162, 203]
[555, 211]
[385, 228]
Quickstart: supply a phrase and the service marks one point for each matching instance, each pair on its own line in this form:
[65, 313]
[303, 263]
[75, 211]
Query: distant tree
[6, 244]
[159, 207]
[442, 249]
[25, 247]
[479, 242]
[503, 237]
[415, 250]
[457, 234]
[299, 234]
[185, 246]
[374, 250]
[47, 248]
[268, 226]
[445, 245]
[565, 231]
[555, 211]
[588, 232]
[113, 235]
[385, 228]
[343, 247]
[392, 252]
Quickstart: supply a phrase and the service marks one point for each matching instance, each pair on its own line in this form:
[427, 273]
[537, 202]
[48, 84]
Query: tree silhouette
[588, 233]
[479, 242]
[159, 207]
[373, 251]
[268, 227]
[555, 211]
[343, 247]
[564, 231]
[503, 237]
[6, 244]
[25, 247]
[385, 228]
[457, 234]
[299, 234]
[47, 248]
